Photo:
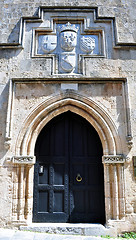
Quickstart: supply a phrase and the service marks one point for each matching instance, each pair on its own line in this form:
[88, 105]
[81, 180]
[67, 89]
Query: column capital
[113, 159]
[21, 160]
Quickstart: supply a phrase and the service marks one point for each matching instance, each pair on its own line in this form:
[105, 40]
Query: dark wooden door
[68, 179]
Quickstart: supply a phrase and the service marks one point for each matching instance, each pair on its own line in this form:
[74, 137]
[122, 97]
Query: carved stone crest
[68, 37]
[67, 62]
[49, 43]
[87, 44]
[67, 44]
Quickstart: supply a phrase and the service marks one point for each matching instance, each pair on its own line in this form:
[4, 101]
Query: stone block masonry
[67, 56]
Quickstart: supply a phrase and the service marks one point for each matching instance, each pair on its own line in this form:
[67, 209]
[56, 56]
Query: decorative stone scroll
[23, 160]
[113, 159]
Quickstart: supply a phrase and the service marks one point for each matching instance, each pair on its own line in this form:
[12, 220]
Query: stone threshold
[71, 228]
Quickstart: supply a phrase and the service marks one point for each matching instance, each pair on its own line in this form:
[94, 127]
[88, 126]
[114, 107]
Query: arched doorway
[69, 178]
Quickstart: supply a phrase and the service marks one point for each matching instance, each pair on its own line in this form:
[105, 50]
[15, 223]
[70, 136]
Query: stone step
[8, 234]
[72, 229]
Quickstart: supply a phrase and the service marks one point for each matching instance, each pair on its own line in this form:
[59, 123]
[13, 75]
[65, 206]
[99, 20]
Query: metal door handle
[41, 170]
[78, 178]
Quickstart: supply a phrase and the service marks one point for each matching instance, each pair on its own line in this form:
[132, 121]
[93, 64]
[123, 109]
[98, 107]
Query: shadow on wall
[14, 35]
[9, 53]
[3, 116]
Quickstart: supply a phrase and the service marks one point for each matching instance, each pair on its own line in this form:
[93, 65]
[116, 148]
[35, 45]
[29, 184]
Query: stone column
[21, 193]
[108, 207]
[121, 191]
[15, 193]
[22, 188]
[114, 178]
[115, 203]
[29, 193]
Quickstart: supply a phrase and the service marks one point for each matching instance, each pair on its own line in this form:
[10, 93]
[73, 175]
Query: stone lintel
[30, 160]
[113, 159]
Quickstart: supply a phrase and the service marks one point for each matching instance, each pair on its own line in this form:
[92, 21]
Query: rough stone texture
[74, 229]
[107, 85]
[7, 234]
[123, 11]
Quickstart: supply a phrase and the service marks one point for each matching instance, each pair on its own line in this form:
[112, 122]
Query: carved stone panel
[48, 43]
[23, 160]
[111, 159]
[87, 44]
[68, 44]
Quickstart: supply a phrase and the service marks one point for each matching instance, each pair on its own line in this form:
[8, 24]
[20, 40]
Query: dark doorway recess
[68, 178]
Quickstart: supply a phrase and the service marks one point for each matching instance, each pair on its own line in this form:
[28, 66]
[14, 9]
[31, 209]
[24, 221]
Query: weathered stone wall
[122, 10]
[109, 81]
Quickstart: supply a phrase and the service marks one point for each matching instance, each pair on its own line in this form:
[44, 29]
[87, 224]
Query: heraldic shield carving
[67, 62]
[68, 37]
[49, 43]
[68, 40]
[68, 44]
[87, 44]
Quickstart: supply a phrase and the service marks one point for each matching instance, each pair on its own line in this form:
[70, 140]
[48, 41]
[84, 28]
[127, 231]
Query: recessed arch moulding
[38, 117]
[55, 105]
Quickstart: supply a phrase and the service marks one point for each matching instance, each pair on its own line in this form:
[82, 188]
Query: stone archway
[69, 100]
[112, 150]
[68, 168]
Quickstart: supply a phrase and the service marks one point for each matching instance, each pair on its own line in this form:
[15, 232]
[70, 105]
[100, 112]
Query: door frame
[70, 124]
[113, 159]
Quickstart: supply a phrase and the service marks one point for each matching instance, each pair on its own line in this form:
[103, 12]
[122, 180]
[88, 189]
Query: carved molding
[23, 160]
[113, 159]
[129, 141]
[39, 18]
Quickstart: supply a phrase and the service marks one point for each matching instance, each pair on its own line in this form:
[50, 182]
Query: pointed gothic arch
[55, 105]
[90, 110]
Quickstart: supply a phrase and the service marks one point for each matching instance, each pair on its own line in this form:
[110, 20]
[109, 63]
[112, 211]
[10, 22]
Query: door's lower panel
[47, 217]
